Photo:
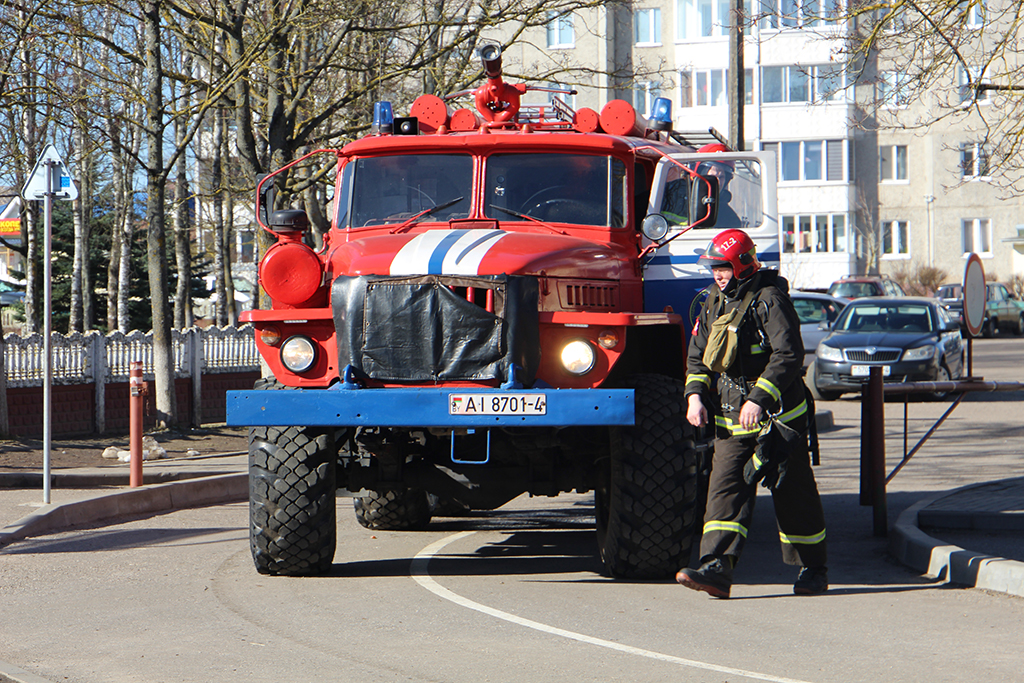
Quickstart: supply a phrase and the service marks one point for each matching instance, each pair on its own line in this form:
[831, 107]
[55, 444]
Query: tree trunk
[182, 244]
[163, 360]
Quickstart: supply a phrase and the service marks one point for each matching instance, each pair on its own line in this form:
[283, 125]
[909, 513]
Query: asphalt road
[518, 595]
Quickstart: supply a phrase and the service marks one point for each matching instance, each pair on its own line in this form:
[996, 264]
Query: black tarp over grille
[418, 329]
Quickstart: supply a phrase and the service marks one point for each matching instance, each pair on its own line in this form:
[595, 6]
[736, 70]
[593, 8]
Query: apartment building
[856, 193]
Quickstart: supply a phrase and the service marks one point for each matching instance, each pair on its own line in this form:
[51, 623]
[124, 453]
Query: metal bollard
[872, 451]
[135, 399]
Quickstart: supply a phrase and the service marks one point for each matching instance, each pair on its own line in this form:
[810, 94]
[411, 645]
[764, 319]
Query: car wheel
[810, 380]
[1020, 325]
[988, 328]
[941, 376]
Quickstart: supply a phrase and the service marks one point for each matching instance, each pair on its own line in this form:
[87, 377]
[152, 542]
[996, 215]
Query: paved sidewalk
[972, 536]
[89, 496]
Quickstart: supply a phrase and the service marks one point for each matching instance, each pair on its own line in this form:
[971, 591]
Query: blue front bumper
[398, 407]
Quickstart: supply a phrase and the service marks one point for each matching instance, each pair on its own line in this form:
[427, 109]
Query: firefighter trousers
[730, 507]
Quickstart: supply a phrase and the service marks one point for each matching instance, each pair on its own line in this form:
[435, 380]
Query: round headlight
[578, 357]
[298, 354]
[654, 227]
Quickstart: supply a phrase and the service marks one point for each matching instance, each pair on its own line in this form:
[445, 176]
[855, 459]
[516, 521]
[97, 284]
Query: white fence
[94, 358]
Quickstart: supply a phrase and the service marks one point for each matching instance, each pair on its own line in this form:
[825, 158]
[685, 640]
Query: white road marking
[419, 570]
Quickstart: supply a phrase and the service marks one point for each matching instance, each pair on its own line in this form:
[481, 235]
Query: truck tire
[646, 496]
[292, 489]
[394, 510]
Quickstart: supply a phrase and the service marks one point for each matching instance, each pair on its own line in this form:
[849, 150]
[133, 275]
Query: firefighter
[761, 388]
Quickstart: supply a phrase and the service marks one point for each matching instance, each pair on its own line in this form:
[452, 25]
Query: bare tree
[946, 60]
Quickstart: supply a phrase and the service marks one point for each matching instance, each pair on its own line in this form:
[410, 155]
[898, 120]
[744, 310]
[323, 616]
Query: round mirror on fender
[654, 227]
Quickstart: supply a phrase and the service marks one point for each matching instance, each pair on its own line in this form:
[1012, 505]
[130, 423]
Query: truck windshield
[392, 189]
[561, 188]
[739, 183]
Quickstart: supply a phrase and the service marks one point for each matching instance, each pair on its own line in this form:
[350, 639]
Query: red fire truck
[499, 307]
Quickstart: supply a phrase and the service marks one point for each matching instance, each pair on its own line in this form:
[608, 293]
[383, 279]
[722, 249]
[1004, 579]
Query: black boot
[811, 581]
[714, 577]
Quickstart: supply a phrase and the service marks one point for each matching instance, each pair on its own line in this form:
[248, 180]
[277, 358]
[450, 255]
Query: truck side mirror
[265, 196]
[704, 201]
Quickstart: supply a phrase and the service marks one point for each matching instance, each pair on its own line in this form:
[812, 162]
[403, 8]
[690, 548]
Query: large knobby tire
[394, 510]
[292, 489]
[647, 490]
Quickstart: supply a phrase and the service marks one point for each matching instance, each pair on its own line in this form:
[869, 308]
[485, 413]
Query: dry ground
[27, 454]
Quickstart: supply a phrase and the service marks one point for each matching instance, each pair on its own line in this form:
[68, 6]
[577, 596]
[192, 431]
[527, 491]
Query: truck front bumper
[426, 407]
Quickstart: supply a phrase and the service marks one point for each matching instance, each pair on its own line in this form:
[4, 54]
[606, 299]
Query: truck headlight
[578, 357]
[298, 354]
[920, 353]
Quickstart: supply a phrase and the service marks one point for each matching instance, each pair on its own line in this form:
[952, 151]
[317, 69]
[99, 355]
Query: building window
[644, 95]
[803, 160]
[895, 239]
[976, 236]
[892, 90]
[973, 160]
[812, 83]
[790, 14]
[709, 87]
[822, 233]
[968, 81]
[647, 26]
[561, 34]
[706, 18]
[976, 14]
[892, 163]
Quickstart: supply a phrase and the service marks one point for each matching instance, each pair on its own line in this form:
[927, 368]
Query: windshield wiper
[426, 212]
[513, 212]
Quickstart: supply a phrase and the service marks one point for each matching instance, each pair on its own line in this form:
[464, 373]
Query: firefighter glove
[767, 465]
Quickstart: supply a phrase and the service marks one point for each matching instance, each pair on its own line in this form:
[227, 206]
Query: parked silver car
[816, 312]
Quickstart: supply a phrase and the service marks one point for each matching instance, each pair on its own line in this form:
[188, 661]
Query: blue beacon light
[661, 114]
[383, 118]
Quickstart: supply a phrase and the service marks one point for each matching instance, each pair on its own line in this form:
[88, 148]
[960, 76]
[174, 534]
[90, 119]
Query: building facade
[860, 191]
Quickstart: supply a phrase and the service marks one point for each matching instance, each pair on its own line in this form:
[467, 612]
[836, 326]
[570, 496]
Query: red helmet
[733, 248]
[713, 147]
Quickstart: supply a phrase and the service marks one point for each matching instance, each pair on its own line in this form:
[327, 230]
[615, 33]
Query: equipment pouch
[723, 341]
[724, 337]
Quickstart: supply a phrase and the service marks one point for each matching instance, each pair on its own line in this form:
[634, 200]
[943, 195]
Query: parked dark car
[913, 339]
[816, 312]
[1003, 312]
[854, 287]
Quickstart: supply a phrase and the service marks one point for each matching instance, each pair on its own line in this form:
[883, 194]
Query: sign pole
[47, 327]
[49, 179]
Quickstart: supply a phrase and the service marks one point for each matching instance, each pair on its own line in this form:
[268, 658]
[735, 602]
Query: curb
[155, 498]
[951, 563]
[12, 674]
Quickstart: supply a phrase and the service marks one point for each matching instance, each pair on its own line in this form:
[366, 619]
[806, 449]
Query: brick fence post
[195, 336]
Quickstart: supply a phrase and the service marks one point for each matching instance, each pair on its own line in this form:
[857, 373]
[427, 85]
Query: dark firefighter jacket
[767, 369]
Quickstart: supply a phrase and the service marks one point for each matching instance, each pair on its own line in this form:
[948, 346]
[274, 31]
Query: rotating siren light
[383, 119]
[661, 114]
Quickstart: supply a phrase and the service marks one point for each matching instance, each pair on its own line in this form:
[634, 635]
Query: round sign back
[974, 295]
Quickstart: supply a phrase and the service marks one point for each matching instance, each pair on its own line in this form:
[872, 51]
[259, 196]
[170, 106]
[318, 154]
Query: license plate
[497, 404]
[865, 370]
